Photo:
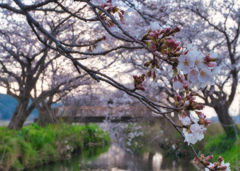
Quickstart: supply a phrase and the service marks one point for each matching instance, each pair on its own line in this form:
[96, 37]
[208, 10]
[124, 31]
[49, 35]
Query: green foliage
[227, 147]
[221, 145]
[90, 153]
[34, 145]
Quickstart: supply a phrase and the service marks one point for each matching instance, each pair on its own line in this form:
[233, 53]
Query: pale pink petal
[177, 85]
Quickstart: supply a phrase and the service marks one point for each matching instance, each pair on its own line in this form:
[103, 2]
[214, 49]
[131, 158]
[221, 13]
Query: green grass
[34, 145]
[218, 144]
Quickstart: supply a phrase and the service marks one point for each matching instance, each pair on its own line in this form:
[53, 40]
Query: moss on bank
[34, 145]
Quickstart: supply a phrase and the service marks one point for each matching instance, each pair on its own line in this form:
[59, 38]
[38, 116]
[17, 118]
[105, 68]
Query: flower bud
[154, 75]
[177, 98]
[207, 122]
[206, 163]
[185, 86]
[149, 73]
[223, 168]
[179, 48]
[212, 64]
[209, 157]
[220, 159]
[146, 64]
[177, 29]
[200, 107]
[104, 37]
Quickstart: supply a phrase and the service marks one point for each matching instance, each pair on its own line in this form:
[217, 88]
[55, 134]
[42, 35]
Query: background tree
[211, 26]
[106, 15]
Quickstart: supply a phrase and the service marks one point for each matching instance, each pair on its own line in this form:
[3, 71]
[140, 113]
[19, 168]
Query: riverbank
[6, 123]
[142, 137]
[34, 145]
[218, 144]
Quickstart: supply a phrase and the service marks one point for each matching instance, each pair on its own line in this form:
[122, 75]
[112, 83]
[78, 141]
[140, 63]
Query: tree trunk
[226, 121]
[44, 114]
[19, 116]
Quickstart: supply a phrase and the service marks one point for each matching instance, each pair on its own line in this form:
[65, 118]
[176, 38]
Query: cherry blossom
[196, 133]
[186, 62]
[210, 166]
[185, 120]
[204, 75]
[227, 165]
[193, 75]
[199, 61]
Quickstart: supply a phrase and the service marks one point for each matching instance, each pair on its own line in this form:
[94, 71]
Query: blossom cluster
[219, 165]
[190, 68]
[160, 40]
[194, 128]
[113, 9]
[138, 80]
[195, 69]
[154, 64]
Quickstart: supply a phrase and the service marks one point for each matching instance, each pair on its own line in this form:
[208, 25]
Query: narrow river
[116, 159]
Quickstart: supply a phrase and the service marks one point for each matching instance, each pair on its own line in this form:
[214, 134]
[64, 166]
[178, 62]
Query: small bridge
[88, 114]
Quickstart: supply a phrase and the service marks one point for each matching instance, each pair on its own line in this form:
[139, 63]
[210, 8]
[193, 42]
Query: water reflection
[116, 159]
[157, 162]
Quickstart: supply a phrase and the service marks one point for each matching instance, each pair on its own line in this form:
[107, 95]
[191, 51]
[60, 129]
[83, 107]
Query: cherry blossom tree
[200, 20]
[156, 41]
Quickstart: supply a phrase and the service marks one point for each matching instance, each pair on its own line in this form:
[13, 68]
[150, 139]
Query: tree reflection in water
[117, 159]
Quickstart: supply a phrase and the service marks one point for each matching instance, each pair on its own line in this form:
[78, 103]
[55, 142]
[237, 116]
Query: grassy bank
[34, 145]
[217, 143]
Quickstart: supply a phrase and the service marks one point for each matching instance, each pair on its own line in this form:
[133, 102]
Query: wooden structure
[99, 114]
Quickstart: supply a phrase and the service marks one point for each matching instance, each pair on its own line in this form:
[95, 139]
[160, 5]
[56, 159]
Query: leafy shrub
[34, 145]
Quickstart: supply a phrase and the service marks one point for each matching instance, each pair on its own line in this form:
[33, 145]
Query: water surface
[116, 159]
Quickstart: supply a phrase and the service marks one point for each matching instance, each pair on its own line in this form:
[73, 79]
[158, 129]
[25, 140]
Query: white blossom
[196, 134]
[195, 120]
[226, 164]
[191, 48]
[185, 64]
[189, 138]
[204, 75]
[195, 128]
[211, 165]
[185, 121]
[199, 61]
[193, 75]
